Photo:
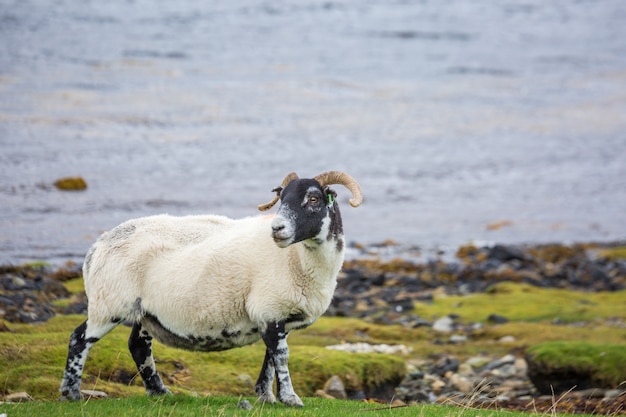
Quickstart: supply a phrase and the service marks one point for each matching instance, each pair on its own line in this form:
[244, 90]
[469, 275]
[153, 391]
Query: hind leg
[81, 341]
[140, 346]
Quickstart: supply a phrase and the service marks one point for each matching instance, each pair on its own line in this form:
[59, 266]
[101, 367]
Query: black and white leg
[276, 363]
[81, 341]
[140, 346]
[264, 384]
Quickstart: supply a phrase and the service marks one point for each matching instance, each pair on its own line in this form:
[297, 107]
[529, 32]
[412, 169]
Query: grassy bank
[32, 356]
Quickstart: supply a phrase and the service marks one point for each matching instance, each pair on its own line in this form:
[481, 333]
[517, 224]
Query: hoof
[70, 396]
[267, 397]
[292, 401]
[160, 391]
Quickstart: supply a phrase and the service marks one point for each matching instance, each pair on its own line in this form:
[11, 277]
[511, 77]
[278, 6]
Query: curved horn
[338, 177]
[290, 177]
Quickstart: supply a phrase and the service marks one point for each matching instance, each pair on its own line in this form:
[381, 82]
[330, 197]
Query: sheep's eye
[314, 200]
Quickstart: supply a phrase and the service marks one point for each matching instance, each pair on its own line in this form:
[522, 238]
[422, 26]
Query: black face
[305, 213]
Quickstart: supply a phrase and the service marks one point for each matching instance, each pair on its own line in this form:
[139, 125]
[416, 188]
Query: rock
[504, 253]
[18, 397]
[477, 362]
[590, 393]
[335, 388]
[461, 383]
[93, 394]
[437, 386]
[513, 384]
[505, 360]
[443, 325]
[614, 393]
[458, 338]
[402, 305]
[505, 371]
[497, 319]
[466, 370]
[397, 403]
[17, 283]
[244, 405]
[443, 365]
[521, 366]
[245, 379]
[320, 393]
[71, 184]
[507, 339]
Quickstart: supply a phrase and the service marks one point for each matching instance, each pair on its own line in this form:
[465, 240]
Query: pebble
[244, 405]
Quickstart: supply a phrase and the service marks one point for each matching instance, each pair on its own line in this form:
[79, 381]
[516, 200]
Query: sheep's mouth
[281, 241]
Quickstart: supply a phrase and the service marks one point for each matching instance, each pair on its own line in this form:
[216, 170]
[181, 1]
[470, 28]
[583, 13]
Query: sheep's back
[183, 269]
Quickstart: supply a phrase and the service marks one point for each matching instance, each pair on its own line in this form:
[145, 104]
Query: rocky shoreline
[484, 382]
[369, 286]
[384, 288]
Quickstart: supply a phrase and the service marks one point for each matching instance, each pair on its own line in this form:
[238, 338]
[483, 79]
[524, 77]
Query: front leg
[276, 358]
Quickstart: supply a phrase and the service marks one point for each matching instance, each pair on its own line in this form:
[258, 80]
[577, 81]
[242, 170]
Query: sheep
[211, 283]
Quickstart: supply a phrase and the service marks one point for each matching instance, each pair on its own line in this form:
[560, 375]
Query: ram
[210, 283]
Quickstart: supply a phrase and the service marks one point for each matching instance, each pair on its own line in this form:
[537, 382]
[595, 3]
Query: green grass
[187, 406]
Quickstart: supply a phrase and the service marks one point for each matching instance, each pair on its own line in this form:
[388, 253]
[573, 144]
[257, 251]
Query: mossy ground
[523, 302]
[605, 363]
[32, 357]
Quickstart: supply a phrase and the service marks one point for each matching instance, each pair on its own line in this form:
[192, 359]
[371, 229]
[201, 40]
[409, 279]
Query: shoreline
[383, 250]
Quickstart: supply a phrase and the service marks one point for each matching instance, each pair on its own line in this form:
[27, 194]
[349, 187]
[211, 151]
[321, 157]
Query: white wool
[200, 275]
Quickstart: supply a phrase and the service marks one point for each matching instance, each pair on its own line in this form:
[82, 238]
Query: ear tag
[330, 199]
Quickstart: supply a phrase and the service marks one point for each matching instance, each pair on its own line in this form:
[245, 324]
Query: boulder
[335, 388]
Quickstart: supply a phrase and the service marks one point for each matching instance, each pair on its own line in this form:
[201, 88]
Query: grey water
[464, 120]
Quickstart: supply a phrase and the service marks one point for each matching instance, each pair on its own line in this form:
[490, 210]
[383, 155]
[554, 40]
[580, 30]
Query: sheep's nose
[278, 228]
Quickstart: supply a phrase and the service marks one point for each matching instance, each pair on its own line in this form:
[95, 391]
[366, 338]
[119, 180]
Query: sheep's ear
[278, 190]
[330, 195]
